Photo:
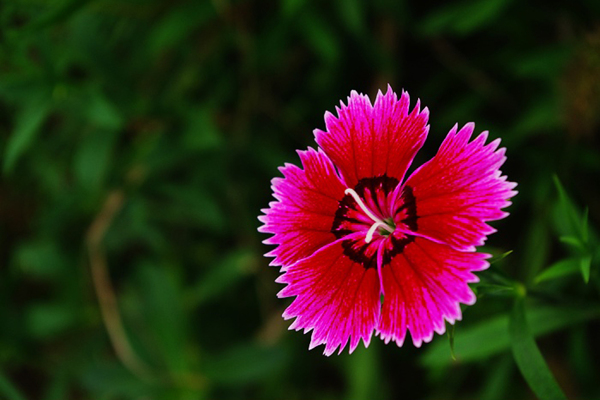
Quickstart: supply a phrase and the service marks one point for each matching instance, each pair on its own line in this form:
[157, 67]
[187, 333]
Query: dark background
[138, 140]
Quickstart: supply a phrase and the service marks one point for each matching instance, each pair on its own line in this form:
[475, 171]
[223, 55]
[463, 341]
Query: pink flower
[364, 250]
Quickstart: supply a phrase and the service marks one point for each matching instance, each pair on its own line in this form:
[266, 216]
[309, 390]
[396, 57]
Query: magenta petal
[302, 217]
[424, 288]
[460, 188]
[348, 229]
[336, 298]
[367, 140]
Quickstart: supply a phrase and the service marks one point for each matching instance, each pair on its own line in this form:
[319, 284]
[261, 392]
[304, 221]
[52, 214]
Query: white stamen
[371, 231]
[377, 222]
[361, 204]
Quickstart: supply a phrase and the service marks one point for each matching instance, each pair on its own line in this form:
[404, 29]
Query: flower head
[365, 250]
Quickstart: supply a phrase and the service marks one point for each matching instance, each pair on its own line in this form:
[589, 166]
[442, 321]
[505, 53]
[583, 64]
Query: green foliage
[8, 390]
[575, 229]
[27, 125]
[463, 18]
[491, 336]
[138, 140]
[528, 356]
[559, 269]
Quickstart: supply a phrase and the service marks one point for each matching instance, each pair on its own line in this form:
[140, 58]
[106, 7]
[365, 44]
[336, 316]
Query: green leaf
[93, 157]
[41, 259]
[528, 356]
[103, 113]
[490, 337]
[462, 18]
[290, 8]
[500, 257]
[585, 234]
[46, 321]
[201, 134]
[321, 37]
[244, 363]
[58, 387]
[497, 384]
[492, 288]
[478, 15]
[58, 14]
[8, 390]
[542, 63]
[580, 359]
[107, 379]
[352, 14]
[495, 276]
[165, 314]
[536, 249]
[189, 206]
[585, 263]
[559, 269]
[540, 116]
[27, 125]
[222, 276]
[451, 341]
[574, 242]
[568, 211]
[175, 27]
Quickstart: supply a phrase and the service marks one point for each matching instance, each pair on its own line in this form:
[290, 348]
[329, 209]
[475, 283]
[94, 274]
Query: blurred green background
[138, 139]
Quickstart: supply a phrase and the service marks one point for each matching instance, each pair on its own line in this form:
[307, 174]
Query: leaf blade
[27, 126]
[528, 357]
[490, 337]
[559, 269]
[9, 390]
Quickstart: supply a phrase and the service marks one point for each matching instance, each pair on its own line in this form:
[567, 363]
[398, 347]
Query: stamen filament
[360, 203]
[377, 222]
[371, 231]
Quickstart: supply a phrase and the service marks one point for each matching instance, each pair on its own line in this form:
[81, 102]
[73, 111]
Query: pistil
[377, 223]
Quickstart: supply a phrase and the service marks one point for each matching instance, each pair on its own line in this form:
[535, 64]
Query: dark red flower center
[377, 213]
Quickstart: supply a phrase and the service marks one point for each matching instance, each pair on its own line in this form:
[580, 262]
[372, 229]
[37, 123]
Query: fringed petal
[424, 287]
[302, 217]
[439, 213]
[461, 188]
[368, 141]
[336, 298]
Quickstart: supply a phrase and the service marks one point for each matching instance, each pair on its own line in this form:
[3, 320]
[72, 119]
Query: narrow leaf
[165, 314]
[497, 383]
[58, 14]
[245, 363]
[584, 225]
[572, 241]
[491, 288]
[221, 277]
[490, 337]
[27, 125]
[451, 341]
[8, 390]
[559, 269]
[528, 356]
[500, 257]
[567, 208]
[585, 263]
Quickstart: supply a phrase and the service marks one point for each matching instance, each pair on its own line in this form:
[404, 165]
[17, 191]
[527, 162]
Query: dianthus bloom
[362, 249]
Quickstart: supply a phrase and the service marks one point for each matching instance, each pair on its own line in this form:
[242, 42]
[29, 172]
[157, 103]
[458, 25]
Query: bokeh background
[138, 139]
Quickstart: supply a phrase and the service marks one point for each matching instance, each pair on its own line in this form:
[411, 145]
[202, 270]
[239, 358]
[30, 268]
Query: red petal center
[388, 202]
